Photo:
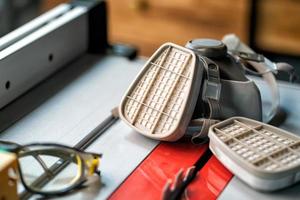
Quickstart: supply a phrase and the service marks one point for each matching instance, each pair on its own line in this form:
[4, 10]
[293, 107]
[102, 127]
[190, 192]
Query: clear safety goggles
[52, 169]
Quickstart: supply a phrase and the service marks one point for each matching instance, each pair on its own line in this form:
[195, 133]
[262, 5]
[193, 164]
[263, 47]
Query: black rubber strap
[201, 136]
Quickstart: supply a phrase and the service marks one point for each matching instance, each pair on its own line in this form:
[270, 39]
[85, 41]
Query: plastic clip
[212, 86]
[249, 56]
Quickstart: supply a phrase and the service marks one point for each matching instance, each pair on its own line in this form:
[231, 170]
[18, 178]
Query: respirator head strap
[212, 88]
[211, 95]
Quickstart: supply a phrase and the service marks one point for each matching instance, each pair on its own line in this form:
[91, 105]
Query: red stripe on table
[149, 178]
[209, 182]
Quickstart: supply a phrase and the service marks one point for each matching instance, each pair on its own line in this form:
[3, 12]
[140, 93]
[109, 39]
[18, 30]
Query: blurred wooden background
[278, 26]
[149, 23]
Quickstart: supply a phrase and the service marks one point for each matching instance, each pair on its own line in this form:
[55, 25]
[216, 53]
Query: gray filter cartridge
[265, 157]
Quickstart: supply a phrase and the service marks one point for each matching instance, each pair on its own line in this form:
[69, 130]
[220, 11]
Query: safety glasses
[52, 169]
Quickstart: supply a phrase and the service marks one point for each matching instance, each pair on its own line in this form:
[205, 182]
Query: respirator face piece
[161, 100]
[227, 90]
[195, 85]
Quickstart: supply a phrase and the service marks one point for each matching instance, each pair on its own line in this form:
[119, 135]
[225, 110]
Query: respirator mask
[198, 85]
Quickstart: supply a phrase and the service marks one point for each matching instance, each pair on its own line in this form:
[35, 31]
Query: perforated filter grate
[156, 102]
[260, 146]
